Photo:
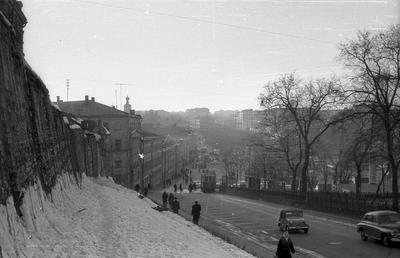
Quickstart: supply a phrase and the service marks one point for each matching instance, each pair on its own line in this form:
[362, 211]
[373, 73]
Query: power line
[235, 26]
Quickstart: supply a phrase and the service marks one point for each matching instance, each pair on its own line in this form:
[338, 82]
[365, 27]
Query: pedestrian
[175, 205]
[190, 187]
[194, 186]
[196, 208]
[145, 191]
[285, 246]
[170, 199]
[180, 188]
[164, 198]
[175, 187]
[137, 187]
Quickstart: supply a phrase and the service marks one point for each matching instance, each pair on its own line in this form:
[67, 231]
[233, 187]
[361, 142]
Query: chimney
[93, 99]
[86, 98]
[58, 99]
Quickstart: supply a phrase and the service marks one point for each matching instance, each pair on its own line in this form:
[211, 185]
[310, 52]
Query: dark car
[381, 225]
[292, 220]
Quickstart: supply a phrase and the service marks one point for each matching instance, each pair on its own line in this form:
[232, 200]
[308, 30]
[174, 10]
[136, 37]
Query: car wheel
[364, 236]
[385, 240]
[306, 230]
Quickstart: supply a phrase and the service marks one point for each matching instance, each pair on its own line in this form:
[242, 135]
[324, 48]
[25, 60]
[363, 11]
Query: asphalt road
[253, 222]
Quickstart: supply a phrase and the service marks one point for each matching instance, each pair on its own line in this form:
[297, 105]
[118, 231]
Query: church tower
[127, 106]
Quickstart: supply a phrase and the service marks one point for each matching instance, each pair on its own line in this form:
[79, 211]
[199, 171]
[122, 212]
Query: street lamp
[141, 156]
[139, 135]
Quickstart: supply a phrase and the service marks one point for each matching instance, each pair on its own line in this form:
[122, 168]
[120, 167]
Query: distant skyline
[177, 55]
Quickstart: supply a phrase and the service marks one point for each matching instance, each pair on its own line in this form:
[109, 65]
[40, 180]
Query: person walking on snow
[170, 199]
[196, 208]
[175, 187]
[175, 205]
[165, 198]
[285, 246]
[180, 188]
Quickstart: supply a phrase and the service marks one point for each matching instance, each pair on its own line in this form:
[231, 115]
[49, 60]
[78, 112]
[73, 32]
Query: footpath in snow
[101, 219]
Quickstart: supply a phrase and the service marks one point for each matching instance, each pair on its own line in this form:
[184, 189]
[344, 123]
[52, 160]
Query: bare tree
[307, 104]
[284, 138]
[374, 59]
[361, 140]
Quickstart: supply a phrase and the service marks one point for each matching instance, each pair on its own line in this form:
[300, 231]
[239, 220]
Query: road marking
[334, 243]
[278, 209]
[311, 253]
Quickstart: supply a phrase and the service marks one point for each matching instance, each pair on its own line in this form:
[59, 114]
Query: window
[118, 164]
[117, 145]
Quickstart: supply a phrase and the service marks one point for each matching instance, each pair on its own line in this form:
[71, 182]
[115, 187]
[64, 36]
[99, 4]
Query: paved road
[256, 221]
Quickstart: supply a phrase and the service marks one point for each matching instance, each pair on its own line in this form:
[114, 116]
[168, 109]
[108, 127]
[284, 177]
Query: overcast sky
[175, 55]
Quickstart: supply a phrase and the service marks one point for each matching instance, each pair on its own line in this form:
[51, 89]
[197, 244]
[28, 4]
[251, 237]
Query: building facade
[248, 120]
[123, 161]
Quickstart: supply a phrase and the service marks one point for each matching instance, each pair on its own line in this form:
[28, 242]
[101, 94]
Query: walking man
[175, 205]
[285, 246]
[196, 208]
[165, 198]
[170, 200]
[175, 187]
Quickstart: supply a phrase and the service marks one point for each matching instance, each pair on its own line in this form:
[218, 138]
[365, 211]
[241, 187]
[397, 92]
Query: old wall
[35, 141]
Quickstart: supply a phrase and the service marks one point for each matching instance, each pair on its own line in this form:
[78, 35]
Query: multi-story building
[248, 119]
[123, 161]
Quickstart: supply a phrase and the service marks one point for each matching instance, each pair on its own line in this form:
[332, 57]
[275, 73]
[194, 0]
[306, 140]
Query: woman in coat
[285, 246]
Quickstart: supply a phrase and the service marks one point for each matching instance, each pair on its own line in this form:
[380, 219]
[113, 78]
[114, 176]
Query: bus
[208, 181]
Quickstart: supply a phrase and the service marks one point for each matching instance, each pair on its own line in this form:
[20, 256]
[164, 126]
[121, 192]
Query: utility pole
[67, 89]
[120, 93]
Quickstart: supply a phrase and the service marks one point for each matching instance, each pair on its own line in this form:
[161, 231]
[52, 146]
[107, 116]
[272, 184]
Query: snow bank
[101, 219]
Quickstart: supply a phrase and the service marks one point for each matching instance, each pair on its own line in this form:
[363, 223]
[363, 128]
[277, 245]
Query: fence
[333, 202]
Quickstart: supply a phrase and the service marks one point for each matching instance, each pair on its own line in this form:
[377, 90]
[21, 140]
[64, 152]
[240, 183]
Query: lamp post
[141, 155]
[139, 136]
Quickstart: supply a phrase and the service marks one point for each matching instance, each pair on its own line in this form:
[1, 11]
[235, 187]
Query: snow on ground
[101, 219]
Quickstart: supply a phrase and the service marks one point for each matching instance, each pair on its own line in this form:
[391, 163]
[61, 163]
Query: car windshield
[294, 214]
[389, 218]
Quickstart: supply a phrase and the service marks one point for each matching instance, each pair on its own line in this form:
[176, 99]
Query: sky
[175, 55]
[102, 219]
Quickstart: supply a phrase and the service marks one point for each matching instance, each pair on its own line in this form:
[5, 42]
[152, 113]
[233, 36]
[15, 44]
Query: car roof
[382, 212]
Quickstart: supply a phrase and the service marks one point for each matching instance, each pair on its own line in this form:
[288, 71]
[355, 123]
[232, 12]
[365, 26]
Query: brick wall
[35, 143]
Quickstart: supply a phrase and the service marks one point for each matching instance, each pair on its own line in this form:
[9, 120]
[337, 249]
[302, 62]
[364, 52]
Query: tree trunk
[358, 182]
[294, 181]
[393, 165]
[304, 170]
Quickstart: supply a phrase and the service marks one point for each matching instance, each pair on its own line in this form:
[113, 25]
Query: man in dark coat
[196, 208]
[190, 187]
[175, 205]
[175, 187]
[165, 198]
[285, 246]
[170, 199]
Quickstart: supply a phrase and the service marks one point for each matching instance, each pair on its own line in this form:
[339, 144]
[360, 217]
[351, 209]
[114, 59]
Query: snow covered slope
[101, 219]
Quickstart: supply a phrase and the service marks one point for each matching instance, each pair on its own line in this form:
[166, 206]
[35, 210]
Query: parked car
[292, 219]
[381, 225]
